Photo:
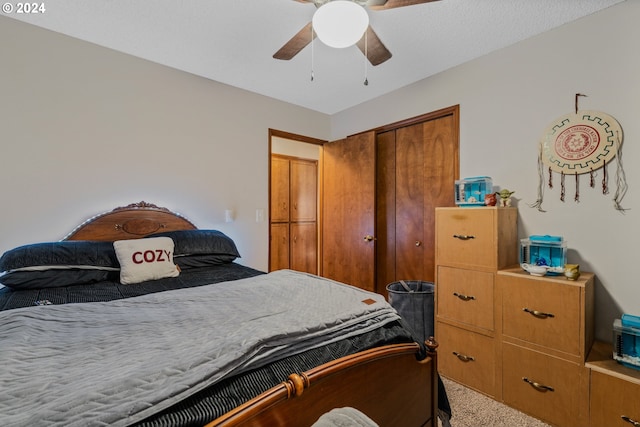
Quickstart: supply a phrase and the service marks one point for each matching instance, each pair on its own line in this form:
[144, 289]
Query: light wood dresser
[615, 390]
[547, 332]
[472, 244]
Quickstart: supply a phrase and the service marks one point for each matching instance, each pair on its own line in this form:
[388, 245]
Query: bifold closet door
[441, 169]
[409, 206]
[416, 168]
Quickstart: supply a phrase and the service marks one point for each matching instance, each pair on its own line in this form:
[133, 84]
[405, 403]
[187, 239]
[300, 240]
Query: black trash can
[413, 300]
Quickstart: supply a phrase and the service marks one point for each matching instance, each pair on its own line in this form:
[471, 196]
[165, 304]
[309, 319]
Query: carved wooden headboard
[130, 222]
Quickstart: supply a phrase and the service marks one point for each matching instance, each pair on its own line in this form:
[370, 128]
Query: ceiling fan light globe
[340, 23]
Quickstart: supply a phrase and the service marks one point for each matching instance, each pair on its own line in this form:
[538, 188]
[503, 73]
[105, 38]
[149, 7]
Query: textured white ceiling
[232, 41]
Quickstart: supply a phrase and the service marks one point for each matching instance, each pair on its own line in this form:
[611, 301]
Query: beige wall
[84, 129]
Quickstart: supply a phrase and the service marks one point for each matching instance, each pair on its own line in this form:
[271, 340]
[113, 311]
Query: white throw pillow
[145, 259]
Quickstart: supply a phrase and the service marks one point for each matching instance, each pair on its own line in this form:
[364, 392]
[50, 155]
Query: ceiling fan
[376, 51]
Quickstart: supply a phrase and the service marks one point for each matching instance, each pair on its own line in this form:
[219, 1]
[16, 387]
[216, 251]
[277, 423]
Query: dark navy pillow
[201, 242]
[195, 261]
[57, 264]
[55, 278]
[60, 254]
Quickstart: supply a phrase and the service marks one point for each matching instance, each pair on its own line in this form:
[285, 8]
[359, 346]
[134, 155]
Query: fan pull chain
[366, 57]
[562, 186]
[312, 53]
[592, 180]
[605, 188]
[576, 198]
[550, 178]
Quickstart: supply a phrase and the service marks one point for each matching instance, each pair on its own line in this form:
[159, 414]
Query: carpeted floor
[473, 409]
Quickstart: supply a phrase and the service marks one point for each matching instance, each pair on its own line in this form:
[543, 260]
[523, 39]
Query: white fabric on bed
[117, 362]
[344, 417]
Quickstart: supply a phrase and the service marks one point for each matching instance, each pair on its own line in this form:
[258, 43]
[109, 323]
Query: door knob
[418, 243]
[368, 238]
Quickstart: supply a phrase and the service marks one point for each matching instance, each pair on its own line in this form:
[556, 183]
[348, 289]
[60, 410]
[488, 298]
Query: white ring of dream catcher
[580, 143]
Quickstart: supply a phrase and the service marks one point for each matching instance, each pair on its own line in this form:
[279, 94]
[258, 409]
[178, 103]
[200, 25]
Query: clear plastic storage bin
[548, 251]
[626, 344]
[471, 191]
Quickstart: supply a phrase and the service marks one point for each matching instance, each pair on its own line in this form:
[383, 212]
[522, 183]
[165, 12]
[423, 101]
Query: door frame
[308, 140]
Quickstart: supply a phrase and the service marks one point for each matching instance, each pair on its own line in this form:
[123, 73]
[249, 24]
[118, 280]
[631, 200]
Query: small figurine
[572, 271]
[490, 199]
[505, 197]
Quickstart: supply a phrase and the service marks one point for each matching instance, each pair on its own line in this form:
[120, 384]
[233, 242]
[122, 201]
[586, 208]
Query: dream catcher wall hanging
[580, 143]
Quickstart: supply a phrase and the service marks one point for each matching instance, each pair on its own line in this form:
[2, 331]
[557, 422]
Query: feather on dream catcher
[581, 143]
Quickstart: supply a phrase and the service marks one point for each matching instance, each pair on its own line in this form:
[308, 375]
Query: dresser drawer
[466, 236]
[542, 312]
[526, 376]
[466, 296]
[483, 238]
[612, 399]
[466, 357]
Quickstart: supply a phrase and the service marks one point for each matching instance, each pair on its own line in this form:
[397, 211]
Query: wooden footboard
[388, 384]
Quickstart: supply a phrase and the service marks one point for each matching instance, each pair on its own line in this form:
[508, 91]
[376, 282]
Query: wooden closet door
[348, 211]
[303, 247]
[441, 169]
[279, 246]
[416, 166]
[304, 193]
[409, 203]
[279, 189]
[385, 210]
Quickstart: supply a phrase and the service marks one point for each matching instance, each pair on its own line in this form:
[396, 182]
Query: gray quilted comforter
[117, 362]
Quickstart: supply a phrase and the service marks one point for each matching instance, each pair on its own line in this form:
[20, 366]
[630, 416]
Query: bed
[137, 317]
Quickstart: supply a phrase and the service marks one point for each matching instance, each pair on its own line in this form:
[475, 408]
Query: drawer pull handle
[630, 421]
[463, 357]
[540, 314]
[464, 297]
[537, 386]
[463, 236]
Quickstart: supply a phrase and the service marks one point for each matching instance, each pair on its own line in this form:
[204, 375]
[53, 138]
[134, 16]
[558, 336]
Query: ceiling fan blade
[377, 52]
[296, 44]
[391, 4]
